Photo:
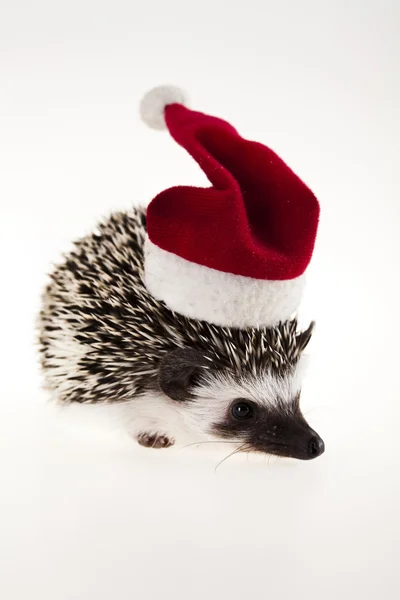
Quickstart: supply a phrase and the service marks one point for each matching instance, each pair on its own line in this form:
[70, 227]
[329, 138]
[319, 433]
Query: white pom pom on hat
[154, 102]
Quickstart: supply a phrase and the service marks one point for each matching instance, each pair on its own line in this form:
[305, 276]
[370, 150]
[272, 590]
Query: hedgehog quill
[181, 316]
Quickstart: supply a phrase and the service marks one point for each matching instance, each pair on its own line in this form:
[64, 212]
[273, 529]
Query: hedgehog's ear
[305, 336]
[179, 370]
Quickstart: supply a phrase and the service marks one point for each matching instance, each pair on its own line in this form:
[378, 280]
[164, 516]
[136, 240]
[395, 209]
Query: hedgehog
[108, 336]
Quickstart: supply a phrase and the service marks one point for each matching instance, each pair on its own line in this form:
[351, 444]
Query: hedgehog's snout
[315, 447]
[288, 436]
[298, 440]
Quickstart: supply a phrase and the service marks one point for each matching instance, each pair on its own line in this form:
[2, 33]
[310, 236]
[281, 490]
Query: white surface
[90, 516]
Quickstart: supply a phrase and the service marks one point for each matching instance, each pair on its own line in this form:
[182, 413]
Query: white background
[88, 515]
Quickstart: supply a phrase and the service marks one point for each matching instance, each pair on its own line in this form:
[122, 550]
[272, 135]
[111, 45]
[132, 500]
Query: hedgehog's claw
[154, 440]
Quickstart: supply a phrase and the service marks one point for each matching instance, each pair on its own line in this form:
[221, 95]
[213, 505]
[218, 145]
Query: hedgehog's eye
[242, 410]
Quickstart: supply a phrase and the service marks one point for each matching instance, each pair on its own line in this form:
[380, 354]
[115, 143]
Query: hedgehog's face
[260, 412]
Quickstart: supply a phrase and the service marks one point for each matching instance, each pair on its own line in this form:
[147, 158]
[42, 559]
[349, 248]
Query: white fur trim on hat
[154, 102]
[220, 298]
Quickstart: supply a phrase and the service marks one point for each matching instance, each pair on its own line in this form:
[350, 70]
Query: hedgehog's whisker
[210, 442]
[242, 447]
[312, 410]
[226, 458]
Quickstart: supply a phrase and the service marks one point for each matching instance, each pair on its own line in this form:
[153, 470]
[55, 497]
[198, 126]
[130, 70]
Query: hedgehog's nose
[316, 447]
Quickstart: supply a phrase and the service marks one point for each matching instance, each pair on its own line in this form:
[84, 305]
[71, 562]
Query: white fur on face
[215, 395]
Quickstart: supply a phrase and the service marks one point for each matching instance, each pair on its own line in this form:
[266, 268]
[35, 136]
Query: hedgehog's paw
[154, 439]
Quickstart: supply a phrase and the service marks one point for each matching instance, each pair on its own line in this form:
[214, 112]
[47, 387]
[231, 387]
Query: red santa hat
[235, 253]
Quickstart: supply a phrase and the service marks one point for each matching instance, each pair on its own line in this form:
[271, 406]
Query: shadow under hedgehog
[182, 317]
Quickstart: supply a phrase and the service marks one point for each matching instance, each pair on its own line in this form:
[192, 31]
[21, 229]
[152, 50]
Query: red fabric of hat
[257, 220]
